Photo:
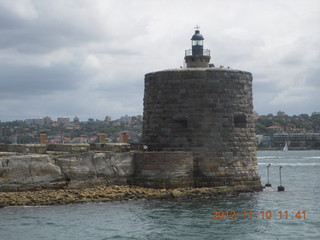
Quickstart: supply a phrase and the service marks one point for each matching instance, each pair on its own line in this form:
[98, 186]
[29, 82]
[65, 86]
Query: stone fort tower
[207, 111]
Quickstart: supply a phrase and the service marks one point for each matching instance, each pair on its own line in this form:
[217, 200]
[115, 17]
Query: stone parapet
[110, 147]
[70, 148]
[24, 148]
[65, 148]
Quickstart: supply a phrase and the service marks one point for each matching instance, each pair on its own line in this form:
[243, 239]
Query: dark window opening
[240, 121]
[181, 123]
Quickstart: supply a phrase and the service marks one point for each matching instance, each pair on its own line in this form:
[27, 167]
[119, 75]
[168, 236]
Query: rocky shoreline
[110, 193]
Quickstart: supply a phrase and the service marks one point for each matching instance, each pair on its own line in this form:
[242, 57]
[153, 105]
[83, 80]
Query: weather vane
[197, 27]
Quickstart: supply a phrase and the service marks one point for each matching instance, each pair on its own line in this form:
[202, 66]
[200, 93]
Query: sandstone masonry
[207, 111]
[163, 169]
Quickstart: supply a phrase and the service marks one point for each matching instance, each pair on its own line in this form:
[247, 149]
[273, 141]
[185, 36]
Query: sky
[88, 58]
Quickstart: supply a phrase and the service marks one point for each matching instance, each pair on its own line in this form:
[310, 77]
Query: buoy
[280, 188]
[268, 184]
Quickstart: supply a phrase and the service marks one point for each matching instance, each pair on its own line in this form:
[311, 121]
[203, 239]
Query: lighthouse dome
[197, 36]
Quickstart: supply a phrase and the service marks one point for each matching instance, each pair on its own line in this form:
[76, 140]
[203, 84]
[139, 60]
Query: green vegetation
[303, 122]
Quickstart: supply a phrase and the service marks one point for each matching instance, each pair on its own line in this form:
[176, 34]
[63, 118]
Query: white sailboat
[285, 148]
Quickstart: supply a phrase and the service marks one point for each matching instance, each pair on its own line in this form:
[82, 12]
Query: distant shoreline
[290, 149]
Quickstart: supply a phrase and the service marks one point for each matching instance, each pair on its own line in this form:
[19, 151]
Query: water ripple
[188, 219]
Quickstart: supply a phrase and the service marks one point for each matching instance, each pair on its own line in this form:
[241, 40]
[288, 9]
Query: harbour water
[292, 214]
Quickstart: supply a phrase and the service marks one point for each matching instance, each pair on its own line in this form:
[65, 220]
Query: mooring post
[268, 184]
[280, 188]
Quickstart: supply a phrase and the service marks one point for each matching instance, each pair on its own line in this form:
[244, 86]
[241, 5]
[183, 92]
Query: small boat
[285, 148]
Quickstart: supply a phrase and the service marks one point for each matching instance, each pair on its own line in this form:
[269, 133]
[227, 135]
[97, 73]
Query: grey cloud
[50, 30]
[36, 81]
[8, 21]
[88, 58]
[265, 87]
[312, 77]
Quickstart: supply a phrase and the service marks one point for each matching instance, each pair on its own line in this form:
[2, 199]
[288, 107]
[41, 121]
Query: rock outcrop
[111, 193]
[41, 171]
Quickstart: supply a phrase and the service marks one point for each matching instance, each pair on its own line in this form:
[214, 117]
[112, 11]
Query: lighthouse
[206, 111]
[197, 57]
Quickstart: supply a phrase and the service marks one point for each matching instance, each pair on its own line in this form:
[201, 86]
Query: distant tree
[260, 128]
[305, 117]
[315, 122]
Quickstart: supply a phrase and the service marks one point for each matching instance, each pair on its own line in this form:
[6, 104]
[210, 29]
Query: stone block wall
[70, 148]
[65, 147]
[110, 147]
[206, 111]
[163, 169]
[24, 148]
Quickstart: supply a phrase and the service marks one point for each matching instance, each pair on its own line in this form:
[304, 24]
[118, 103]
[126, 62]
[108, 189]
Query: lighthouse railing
[206, 52]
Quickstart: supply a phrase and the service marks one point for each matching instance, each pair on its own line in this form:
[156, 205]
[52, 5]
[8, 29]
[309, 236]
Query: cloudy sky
[87, 58]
